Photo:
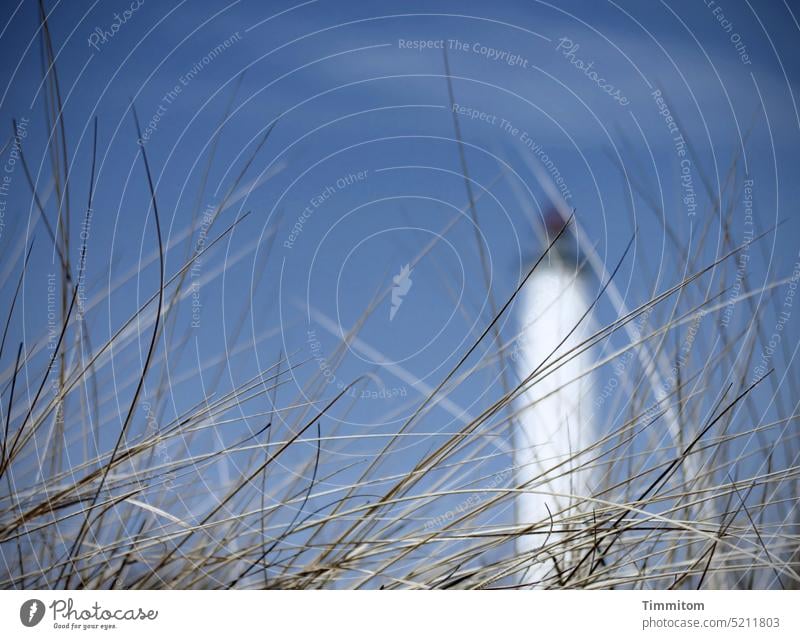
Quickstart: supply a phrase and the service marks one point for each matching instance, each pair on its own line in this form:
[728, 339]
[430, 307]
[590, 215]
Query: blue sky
[347, 98]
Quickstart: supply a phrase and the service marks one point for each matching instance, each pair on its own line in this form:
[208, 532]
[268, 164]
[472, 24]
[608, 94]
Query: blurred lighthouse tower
[554, 412]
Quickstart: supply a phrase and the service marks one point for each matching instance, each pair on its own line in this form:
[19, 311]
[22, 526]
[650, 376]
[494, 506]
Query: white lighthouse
[554, 412]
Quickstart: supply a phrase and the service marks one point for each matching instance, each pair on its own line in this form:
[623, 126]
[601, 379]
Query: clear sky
[635, 110]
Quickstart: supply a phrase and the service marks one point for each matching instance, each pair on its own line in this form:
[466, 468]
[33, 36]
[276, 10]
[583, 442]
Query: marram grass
[693, 483]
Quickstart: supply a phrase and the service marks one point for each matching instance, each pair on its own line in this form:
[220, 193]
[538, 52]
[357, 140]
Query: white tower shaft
[555, 413]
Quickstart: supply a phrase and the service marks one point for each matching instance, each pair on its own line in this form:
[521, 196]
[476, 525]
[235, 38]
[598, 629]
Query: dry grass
[697, 484]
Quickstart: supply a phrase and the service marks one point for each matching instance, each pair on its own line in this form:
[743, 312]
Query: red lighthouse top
[553, 222]
[565, 250]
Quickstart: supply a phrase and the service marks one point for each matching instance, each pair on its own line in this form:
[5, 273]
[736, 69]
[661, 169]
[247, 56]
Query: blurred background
[349, 194]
